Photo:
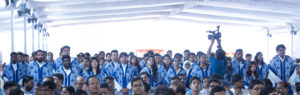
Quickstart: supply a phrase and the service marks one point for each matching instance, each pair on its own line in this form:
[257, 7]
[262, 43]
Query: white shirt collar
[68, 71]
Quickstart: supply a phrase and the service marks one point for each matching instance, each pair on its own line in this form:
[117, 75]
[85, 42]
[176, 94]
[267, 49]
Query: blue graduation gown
[263, 71]
[247, 80]
[236, 67]
[282, 70]
[124, 78]
[11, 75]
[108, 68]
[198, 71]
[69, 80]
[87, 74]
[38, 73]
[163, 71]
[172, 73]
[153, 83]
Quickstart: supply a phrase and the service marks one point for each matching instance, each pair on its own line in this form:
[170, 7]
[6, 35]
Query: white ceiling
[258, 13]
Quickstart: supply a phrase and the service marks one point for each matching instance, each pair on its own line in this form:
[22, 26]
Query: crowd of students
[117, 73]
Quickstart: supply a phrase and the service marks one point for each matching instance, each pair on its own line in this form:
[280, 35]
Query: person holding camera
[218, 62]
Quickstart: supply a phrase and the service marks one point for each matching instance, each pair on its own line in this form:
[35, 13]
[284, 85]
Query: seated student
[165, 66]
[79, 83]
[204, 83]
[174, 83]
[138, 87]
[48, 88]
[283, 88]
[49, 78]
[84, 64]
[145, 76]
[69, 90]
[195, 85]
[267, 83]
[188, 69]
[94, 69]
[58, 80]
[183, 80]
[218, 90]
[180, 90]
[174, 71]
[211, 84]
[92, 85]
[152, 70]
[111, 84]
[238, 85]
[37, 90]
[251, 73]
[9, 85]
[16, 91]
[104, 89]
[268, 91]
[163, 90]
[28, 85]
[255, 87]
[203, 69]
[68, 71]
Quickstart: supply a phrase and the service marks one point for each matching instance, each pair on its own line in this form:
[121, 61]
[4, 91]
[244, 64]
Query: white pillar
[25, 34]
[32, 35]
[12, 28]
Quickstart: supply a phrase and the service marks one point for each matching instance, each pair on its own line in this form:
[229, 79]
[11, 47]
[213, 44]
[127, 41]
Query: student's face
[93, 87]
[176, 62]
[115, 56]
[65, 92]
[108, 57]
[79, 84]
[47, 91]
[19, 58]
[85, 62]
[101, 56]
[29, 85]
[205, 81]
[182, 79]
[50, 56]
[101, 62]
[167, 60]
[253, 68]
[158, 59]
[111, 84]
[192, 58]
[94, 63]
[40, 56]
[169, 53]
[57, 81]
[133, 60]
[195, 85]
[26, 58]
[281, 89]
[212, 85]
[239, 84]
[186, 54]
[256, 89]
[145, 78]
[248, 58]
[103, 91]
[187, 65]
[138, 87]
[66, 51]
[203, 59]
[123, 59]
[220, 93]
[281, 52]
[260, 57]
[239, 55]
[67, 63]
[150, 61]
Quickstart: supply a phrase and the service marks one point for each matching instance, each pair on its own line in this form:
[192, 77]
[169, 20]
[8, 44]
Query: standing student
[203, 69]
[111, 65]
[152, 70]
[93, 69]
[14, 71]
[174, 71]
[39, 69]
[68, 71]
[65, 50]
[165, 66]
[262, 67]
[251, 73]
[239, 65]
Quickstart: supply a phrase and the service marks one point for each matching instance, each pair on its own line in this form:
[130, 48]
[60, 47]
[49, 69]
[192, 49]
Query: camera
[216, 34]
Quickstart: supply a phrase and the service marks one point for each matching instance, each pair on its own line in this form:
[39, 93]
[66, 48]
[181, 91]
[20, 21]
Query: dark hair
[66, 57]
[144, 73]
[123, 54]
[13, 53]
[107, 54]
[15, 91]
[181, 90]
[49, 77]
[163, 90]
[70, 89]
[108, 78]
[256, 57]
[9, 84]
[135, 64]
[248, 54]
[80, 92]
[147, 86]
[90, 69]
[187, 50]
[217, 89]
[192, 79]
[104, 85]
[26, 55]
[114, 51]
[235, 78]
[26, 79]
[87, 81]
[192, 54]
[150, 52]
[280, 46]
[174, 78]
[267, 83]
[267, 91]
[213, 80]
[181, 75]
[254, 82]
[20, 53]
[51, 85]
[199, 53]
[61, 49]
[164, 64]
[145, 55]
[285, 84]
[154, 68]
[101, 52]
[59, 76]
[216, 77]
[135, 79]
[249, 72]
[220, 54]
[157, 54]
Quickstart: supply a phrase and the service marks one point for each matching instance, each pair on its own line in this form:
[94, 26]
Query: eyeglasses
[138, 85]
